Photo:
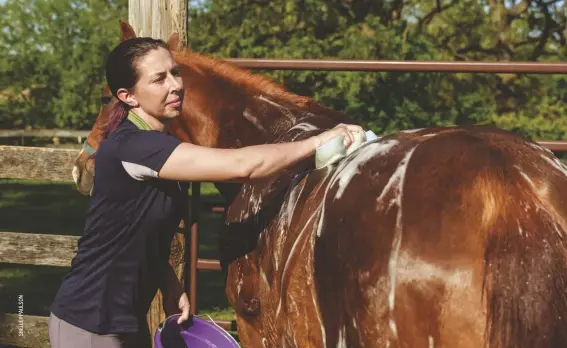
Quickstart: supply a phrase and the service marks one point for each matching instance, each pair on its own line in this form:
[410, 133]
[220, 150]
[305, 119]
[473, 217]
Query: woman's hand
[344, 130]
[184, 306]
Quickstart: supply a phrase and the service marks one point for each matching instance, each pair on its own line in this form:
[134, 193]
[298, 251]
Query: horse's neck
[259, 120]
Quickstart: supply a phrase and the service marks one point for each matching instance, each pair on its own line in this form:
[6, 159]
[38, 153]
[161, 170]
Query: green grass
[32, 206]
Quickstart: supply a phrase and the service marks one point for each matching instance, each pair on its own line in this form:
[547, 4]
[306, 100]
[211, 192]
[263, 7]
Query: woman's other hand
[184, 306]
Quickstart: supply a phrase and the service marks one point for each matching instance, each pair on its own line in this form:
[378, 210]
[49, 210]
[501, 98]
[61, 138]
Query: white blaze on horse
[439, 237]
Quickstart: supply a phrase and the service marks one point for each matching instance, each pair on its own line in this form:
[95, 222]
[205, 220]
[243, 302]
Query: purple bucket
[194, 333]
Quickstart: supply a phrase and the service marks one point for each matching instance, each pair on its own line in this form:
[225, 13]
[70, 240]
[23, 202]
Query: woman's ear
[125, 96]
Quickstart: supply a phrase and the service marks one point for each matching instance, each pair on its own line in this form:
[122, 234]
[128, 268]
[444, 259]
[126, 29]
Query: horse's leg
[297, 312]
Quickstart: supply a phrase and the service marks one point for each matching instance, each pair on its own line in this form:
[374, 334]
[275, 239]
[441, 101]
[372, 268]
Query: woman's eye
[175, 72]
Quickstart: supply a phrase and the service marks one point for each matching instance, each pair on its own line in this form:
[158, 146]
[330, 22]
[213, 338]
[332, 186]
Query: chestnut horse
[441, 237]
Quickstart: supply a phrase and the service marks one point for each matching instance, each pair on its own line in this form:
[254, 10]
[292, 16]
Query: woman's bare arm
[190, 162]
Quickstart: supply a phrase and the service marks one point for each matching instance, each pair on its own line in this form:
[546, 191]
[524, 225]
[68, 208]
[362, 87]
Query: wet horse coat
[446, 237]
[398, 244]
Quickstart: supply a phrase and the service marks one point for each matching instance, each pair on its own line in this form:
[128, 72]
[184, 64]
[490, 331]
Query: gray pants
[64, 335]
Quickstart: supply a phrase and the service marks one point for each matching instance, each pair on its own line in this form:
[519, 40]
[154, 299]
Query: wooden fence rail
[60, 133]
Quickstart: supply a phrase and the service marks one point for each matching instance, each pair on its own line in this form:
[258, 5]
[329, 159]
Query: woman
[138, 201]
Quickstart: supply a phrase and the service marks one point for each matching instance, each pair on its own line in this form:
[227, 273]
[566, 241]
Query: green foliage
[403, 30]
[53, 63]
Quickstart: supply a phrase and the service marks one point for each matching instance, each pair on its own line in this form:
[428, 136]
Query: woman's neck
[154, 123]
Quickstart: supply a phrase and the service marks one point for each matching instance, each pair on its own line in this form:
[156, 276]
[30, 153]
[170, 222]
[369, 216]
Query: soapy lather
[334, 149]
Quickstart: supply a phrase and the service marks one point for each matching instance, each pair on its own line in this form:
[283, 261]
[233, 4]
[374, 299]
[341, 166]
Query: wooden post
[194, 244]
[159, 19]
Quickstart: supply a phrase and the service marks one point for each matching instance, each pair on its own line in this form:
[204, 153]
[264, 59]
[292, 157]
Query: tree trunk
[159, 18]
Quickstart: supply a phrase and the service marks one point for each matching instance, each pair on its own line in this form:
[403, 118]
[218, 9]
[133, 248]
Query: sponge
[334, 149]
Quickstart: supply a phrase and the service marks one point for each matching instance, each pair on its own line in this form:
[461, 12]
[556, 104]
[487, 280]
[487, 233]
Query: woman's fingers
[347, 131]
[184, 306]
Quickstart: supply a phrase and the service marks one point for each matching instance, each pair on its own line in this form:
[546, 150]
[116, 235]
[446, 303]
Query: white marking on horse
[239, 285]
[396, 182]
[264, 278]
[341, 341]
[290, 256]
[256, 204]
[556, 164]
[411, 130]
[76, 173]
[367, 152]
[431, 342]
[353, 166]
[255, 121]
[412, 269]
[538, 147]
[525, 176]
[293, 198]
[304, 127]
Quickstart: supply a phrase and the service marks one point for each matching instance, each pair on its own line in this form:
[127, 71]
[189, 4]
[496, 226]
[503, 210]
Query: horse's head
[83, 170]
[228, 107]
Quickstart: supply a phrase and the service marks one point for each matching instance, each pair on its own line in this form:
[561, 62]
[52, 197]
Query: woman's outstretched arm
[190, 162]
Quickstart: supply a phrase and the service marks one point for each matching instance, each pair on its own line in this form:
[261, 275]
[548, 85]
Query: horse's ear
[173, 43]
[126, 31]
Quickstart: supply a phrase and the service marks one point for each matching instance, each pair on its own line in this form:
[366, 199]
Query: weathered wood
[19, 162]
[159, 18]
[34, 330]
[61, 133]
[57, 250]
[37, 249]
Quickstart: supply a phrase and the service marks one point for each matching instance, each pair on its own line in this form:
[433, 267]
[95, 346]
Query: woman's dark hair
[121, 72]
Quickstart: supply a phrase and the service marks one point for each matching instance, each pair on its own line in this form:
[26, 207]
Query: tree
[407, 30]
[53, 68]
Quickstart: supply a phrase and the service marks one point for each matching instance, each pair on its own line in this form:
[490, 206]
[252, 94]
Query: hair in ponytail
[121, 72]
[118, 113]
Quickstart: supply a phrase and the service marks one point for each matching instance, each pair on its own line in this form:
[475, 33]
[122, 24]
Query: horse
[438, 237]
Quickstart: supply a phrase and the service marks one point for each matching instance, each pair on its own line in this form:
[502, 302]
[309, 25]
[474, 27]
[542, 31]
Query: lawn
[57, 208]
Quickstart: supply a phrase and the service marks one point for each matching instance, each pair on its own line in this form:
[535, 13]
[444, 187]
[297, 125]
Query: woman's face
[159, 90]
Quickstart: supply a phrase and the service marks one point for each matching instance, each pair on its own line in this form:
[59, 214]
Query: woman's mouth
[174, 104]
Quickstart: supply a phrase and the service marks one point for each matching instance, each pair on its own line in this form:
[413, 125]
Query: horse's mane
[253, 84]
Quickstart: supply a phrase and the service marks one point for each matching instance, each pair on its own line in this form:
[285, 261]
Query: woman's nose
[175, 83]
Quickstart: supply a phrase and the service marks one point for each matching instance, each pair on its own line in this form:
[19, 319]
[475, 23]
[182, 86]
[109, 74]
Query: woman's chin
[172, 113]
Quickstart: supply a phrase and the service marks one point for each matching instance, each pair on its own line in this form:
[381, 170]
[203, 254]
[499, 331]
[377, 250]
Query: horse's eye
[105, 99]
